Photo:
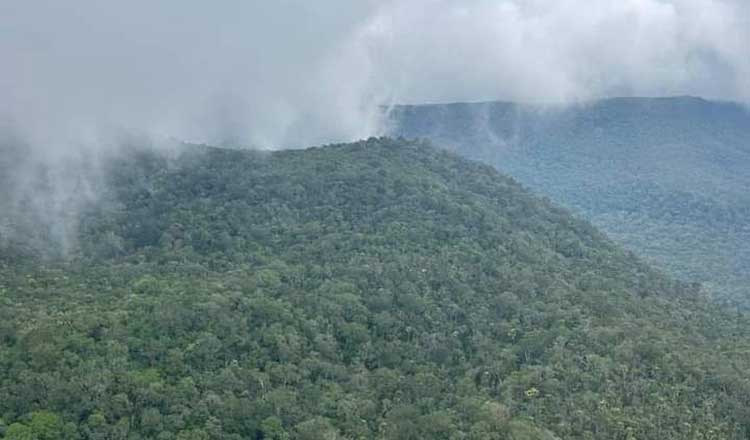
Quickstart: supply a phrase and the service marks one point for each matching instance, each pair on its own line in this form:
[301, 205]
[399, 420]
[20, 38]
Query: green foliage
[43, 425]
[18, 431]
[665, 177]
[376, 290]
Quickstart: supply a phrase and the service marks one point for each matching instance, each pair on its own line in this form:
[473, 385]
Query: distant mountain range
[667, 177]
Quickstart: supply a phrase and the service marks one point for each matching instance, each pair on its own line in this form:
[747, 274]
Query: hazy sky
[293, 73]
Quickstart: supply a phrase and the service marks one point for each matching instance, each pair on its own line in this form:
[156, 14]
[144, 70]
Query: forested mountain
[666, 177]
[376, 290]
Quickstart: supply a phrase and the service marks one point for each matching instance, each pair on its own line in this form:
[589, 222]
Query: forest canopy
[376, 290]
[664, 177]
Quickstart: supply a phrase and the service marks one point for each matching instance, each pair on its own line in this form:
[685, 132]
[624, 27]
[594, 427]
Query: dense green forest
[376, 290]
[666, 177]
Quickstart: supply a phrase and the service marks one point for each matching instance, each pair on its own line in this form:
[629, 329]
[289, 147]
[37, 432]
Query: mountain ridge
[381, 289]
[664, 176]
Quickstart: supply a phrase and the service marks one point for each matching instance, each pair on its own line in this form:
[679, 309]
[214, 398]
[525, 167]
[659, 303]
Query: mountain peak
[382, 288]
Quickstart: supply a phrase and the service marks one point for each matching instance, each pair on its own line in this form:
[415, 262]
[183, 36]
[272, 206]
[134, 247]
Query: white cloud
[276, 74]
[562, 50]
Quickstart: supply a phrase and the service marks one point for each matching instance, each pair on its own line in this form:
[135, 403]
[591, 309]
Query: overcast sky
[293, 73]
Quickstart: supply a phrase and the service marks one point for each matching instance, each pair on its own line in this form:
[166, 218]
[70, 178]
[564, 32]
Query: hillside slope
[666, 177]
[381, 289]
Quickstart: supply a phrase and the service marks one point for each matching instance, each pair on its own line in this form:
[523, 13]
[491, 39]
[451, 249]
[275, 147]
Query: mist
[78, 77]
[296, 73]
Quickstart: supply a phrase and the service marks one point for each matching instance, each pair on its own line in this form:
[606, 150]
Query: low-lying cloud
[76, 78]
[563, 50]
[294, 73]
